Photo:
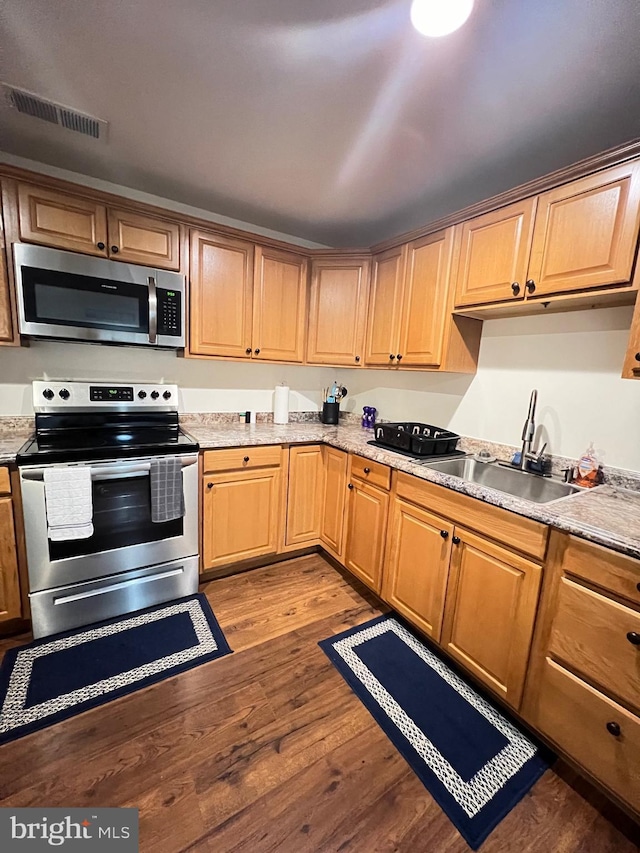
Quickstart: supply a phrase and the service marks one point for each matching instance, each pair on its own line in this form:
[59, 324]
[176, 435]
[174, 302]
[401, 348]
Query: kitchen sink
[521, 484]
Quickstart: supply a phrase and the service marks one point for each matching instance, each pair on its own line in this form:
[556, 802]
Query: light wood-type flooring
[268, 749]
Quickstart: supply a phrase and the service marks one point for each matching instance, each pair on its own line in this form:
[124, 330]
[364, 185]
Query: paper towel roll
[281, 405]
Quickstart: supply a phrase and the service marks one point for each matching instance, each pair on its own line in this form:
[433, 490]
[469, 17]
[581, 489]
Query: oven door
[124, 536]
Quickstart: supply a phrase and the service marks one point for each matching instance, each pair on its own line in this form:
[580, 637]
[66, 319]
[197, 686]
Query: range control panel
[57, 395]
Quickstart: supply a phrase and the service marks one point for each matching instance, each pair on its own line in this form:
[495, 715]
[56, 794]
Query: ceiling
[328, 120]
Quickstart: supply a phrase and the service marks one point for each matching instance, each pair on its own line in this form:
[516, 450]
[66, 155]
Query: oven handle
[79, 596]
[153, 310]
[117, 472]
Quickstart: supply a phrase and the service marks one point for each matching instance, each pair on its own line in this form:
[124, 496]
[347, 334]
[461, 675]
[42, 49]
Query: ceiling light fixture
[439, 17]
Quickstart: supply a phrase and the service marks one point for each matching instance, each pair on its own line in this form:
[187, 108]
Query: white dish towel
[69, 502]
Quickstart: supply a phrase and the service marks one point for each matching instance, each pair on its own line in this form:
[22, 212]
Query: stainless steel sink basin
[521, 484]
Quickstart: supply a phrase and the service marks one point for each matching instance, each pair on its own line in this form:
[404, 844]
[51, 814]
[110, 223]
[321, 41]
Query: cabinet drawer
[370, 472]
[613, 572]
[242, 458]
[590, 634]
[5, 482]
[575, 716]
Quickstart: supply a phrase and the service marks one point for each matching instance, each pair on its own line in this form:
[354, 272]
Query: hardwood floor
[268, 749]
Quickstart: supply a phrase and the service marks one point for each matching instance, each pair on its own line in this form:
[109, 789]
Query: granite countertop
[606, 515]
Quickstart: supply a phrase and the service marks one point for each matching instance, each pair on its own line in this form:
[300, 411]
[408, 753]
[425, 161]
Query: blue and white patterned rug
[474, 761]
[58, 677]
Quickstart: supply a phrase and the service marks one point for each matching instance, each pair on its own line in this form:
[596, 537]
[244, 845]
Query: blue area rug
[474, 761]
[58, 677]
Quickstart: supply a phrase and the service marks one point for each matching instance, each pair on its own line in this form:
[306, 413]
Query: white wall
[573, 359]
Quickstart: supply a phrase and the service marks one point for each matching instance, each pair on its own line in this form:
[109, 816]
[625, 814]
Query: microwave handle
[153, 310]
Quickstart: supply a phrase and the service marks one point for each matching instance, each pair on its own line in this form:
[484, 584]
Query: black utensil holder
[330, 413]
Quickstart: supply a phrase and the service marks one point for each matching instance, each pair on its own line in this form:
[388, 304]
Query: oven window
[66, 299]
[121, 517]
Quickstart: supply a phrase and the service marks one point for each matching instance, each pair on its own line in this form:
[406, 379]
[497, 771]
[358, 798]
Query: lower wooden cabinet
[367, 513]
[304, 494]
[242, 508]
[334, 499]
[490, 612]
[417, 565]
[10, 606]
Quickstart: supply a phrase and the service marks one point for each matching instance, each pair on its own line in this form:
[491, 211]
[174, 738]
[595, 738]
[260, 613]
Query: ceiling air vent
[37, 107]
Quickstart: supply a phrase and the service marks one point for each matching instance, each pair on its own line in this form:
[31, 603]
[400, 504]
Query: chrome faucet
[528, 432]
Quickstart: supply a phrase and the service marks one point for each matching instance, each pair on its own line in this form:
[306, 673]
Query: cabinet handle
[634, 638]
[399, 356]
[209, 485]
[350, 486]
[246, 459]
[614, 729]
[100, 245]
[516, 288]
[357, 358]
[257, 352]
[391, 357]
[444, 534]
[367, 470]
[638, 584]
[455, 540]
[637, 357]
[115, 250]
[531, 285]
[248, 350]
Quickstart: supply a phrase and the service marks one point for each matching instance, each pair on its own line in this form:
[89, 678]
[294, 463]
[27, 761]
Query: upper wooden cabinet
[144, 240]
[494, 255]
[408, 307]
[221, 295]
[6, 319]
[80, 224]
[279, 305]
[65, 221]
[576, 237]
[338, 310]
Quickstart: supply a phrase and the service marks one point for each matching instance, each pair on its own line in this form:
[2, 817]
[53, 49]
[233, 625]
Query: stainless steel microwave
[76, 297]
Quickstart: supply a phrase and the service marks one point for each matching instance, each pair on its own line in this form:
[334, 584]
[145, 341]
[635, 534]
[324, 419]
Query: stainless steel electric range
[129, 561]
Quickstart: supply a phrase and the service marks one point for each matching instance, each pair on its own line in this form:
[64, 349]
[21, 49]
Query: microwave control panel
[169, 312]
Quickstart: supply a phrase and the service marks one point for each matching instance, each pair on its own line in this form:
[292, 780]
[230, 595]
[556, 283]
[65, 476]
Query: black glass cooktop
[84, 437]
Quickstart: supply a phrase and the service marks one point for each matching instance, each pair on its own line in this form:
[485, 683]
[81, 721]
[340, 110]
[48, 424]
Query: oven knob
[64, 393]
[47, 394]
[154, 395]
[142, 394]
[167, 395]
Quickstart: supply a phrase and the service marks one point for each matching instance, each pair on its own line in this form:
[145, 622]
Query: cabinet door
[304, 501]
[9, 584]
[64, 221]
[338, 310]
[495, 254]
[221, 295]
[425, 298]
[6, 324]
[586, 232]
[279, 305]
[489, 613]
[242, 515]
[334, 498]
[144, 239]
[385, 306]
[368, 507]
[417, 565]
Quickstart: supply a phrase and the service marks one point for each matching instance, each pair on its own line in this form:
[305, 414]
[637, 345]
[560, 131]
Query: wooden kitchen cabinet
[10, 606]
[416, 567]
[221, 295]
[139, 239]
[62, 220]
[490, 611]
[338, 310]
[367, 511]
[279, 305]
[334, 498]
[6, 318]
[494, 255]
[305, 494]
[385, 306]
[242, 506]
